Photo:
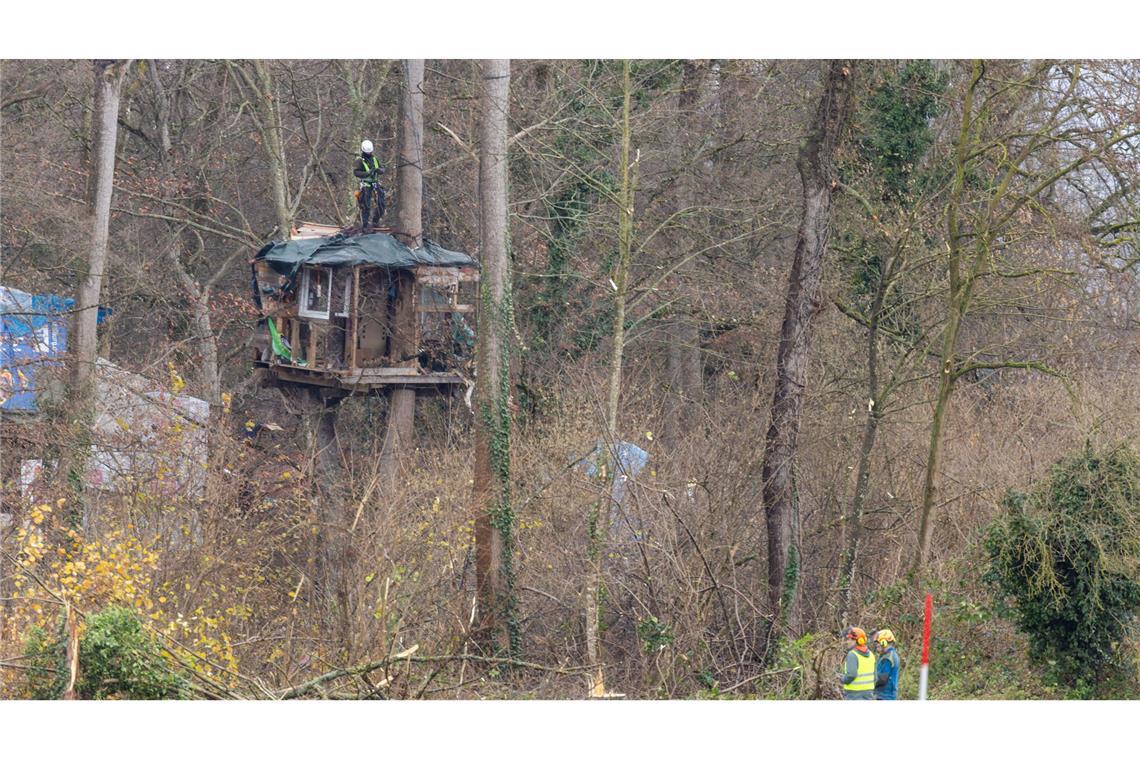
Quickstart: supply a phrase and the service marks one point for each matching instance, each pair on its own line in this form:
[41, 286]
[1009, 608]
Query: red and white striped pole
[928, 613]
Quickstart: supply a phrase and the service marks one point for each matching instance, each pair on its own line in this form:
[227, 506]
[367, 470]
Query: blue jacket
[887, 675]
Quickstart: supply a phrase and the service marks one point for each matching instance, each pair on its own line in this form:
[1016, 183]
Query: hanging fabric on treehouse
[281, 346]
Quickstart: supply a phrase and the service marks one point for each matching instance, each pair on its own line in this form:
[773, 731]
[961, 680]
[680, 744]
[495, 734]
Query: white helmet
[366, 146]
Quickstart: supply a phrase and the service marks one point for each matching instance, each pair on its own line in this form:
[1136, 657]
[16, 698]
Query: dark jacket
[366, 173]
[887, 675]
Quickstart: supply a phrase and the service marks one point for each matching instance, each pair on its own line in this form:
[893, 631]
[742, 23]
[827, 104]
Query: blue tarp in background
[33, 333]
[631, 460]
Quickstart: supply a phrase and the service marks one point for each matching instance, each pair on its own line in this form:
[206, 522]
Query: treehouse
[361, 313]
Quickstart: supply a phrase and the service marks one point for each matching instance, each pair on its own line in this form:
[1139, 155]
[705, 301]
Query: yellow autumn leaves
[63, 567]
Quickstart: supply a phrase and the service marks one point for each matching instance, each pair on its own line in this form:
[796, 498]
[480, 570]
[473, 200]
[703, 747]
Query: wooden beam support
[353, 318]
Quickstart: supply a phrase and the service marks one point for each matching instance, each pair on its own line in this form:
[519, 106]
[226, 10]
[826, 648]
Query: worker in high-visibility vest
[368, 171]
[858, 675]
[887, 665]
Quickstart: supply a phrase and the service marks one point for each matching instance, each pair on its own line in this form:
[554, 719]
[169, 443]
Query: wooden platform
[361, 380]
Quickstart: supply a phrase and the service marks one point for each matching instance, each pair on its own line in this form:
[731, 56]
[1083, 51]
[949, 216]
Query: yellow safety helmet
[884, 637]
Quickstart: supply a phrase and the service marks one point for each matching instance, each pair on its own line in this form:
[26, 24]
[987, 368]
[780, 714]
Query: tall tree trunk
[410, 164]
[494, 519]
[332, 558]
[972, 229]
[84, 344]
[409, 218]
[334, 550]
[600, 517]
[275, 151]
[109, 78]
[801, 305]
[960, 289]
[93, 128]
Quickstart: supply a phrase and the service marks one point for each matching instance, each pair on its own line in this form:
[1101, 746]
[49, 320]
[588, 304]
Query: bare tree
[282, 597]
[109, 82]
[335, 554]
[609, 450]
[1042, 140]
[815, 164]
[197, 294]
[494, 519]
[256, 82]
[109, 79]
[409, 218]
[895, 210]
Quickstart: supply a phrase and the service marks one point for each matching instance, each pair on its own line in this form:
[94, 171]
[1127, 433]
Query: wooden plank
[444, 277]
[286, 373]
[429, 275]
[71, 652]
[411, 317]
[446, 308]
[356, 380]
[385, 371]
[309, 370]
[312, 230]
[437, 378]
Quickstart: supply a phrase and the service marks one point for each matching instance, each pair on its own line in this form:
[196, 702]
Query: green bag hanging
[280, 347]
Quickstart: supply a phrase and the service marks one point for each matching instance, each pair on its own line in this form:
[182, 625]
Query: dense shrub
[1068, 553]
[117, 659]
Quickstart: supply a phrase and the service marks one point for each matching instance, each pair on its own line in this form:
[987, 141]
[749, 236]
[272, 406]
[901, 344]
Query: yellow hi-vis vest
[375, 165]
[865, 676]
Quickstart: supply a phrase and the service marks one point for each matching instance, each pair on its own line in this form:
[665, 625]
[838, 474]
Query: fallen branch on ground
[406, 656]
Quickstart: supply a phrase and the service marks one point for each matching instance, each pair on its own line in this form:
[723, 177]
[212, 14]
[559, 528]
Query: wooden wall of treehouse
[341, 319]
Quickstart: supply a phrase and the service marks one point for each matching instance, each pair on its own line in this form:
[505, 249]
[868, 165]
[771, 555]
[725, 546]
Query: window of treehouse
[315, 295]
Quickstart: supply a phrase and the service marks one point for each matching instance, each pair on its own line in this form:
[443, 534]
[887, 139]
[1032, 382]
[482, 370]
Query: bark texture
[409, 166]
[492, 505]
[84, 343]
[815, 164]
[109, 79]
[409, 219]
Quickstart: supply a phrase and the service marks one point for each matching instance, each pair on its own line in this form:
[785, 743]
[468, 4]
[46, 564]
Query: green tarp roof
[377, 248]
